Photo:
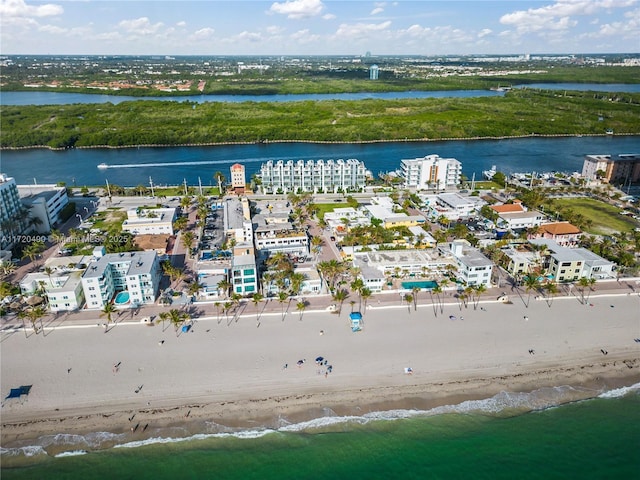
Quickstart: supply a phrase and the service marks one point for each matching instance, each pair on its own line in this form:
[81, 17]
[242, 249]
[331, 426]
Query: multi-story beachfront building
[46, 203]
[13, 215]
[570, 264]
[238, 179]
[431, 172]
[132, 278]
[328, 176]
[473, 267]
[244, 275]
[624, 168]
[63, 288]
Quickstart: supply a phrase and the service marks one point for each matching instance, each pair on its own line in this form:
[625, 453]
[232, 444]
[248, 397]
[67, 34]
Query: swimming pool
[122, 298]
[425, 285]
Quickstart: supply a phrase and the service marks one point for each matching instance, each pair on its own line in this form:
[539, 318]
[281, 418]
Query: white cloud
[18, 8]
[304, 37]
[361, 30]
[629, 28]
[52, 29]
[376, 11]
[328, 16]
[140, 26]
[203, 33]
[181, 24]
[557, 16]
[297, 9]
[249, 37]
[274, 30]
[484, 32]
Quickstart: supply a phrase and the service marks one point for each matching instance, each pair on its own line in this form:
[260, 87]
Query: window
[566, 264]
[249, 271]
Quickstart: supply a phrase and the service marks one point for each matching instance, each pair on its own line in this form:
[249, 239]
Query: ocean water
[510, 436]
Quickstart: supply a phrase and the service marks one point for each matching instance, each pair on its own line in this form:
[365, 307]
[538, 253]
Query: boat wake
[105, 166]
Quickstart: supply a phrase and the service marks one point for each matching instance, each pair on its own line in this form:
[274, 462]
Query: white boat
[102, 166]
[488, 174]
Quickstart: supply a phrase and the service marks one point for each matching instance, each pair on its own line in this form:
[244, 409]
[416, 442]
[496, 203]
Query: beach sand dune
[233, 372]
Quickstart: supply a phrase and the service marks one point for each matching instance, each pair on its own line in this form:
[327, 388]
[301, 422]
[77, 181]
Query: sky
[318, 27]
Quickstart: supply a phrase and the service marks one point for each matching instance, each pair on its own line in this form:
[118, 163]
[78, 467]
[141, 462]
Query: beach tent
[356, 321]
[18, 392]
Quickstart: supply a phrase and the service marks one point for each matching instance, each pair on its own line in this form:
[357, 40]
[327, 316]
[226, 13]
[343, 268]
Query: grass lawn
[329, 207]
[606, 218]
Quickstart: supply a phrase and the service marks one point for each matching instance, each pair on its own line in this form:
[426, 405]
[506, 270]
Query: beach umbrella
[34, 300]
[319, 359]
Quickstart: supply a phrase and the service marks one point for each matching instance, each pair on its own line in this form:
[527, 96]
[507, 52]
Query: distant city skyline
[318, 27]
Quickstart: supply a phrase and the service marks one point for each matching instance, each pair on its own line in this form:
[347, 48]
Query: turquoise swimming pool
[424, 285]
[122, 298]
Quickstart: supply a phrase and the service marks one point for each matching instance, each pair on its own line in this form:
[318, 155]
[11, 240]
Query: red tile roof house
[563, 233]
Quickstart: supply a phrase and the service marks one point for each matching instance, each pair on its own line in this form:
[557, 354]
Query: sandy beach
[231, 372]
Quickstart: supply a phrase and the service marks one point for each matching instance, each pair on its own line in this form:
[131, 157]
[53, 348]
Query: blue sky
[318, 27]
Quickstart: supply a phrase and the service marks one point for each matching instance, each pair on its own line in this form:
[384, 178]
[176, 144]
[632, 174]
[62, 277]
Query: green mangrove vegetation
[518, 113]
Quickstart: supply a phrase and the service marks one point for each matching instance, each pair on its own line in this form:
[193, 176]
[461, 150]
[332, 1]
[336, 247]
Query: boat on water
[102, 166]
[489, 174]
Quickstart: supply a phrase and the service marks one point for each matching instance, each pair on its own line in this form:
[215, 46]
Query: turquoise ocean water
[511, 436]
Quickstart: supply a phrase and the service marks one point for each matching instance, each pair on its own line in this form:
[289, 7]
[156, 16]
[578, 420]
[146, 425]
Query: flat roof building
[137, 273]
[431, 172]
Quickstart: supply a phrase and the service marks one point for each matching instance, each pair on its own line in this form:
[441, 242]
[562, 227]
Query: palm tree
[107, 311]
[180, 223]
[340, 296]
[414, 297]
[409, 299]
[34, 314]
[188, 238]
[6, 269]
[217, 305]
[295, 282]
[194, 288]
[256, 298]
[176, 318]
[437, 290]
[219, 177]
[226, 307]
[531, 282]
[551, 289]
[224, 285]
[356, 286]
[185, 202]
[479, 290]
[49, 271]
[282, 297]
[583, 283]
[365, 294]
[301, 306]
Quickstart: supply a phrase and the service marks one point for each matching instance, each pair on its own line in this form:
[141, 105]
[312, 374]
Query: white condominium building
[431, 172]
[132, 277]
[327, 176]
[13, 215]
[45, 202]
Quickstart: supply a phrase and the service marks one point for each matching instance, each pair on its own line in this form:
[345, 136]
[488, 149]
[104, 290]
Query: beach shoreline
[188, 418]
[230, 376]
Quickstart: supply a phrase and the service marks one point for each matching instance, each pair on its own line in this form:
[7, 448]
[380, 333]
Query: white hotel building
[327, 176]
[431, 172]
[137, 273]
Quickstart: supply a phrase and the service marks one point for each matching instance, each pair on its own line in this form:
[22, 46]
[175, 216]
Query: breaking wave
[501, 404]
